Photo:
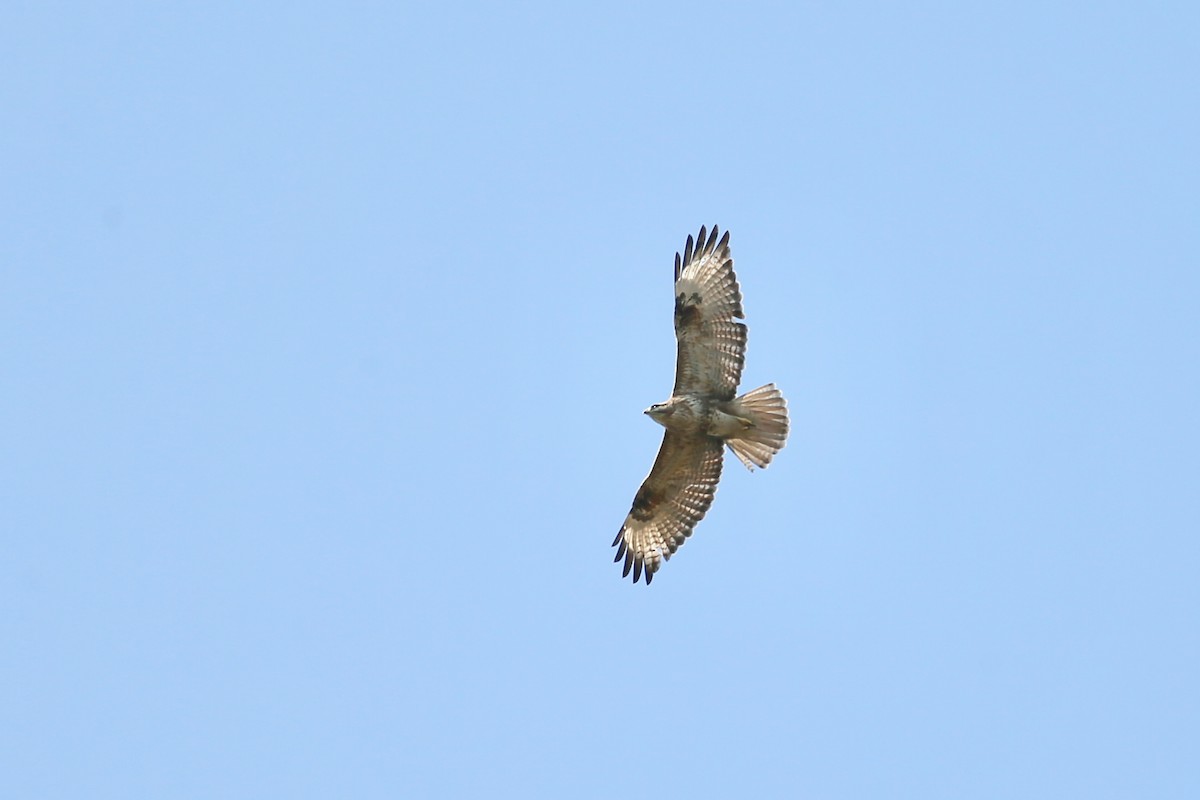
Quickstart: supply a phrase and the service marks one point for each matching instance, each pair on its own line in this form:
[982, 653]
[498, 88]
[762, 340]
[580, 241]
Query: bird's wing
[673, 498]
[712, 346]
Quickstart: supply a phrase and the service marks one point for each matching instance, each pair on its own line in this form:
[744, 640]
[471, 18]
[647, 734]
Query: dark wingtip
[637, 570]
[649, 577]
[687, 251]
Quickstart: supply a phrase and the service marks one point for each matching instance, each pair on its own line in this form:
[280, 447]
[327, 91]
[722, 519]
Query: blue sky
[327, 329]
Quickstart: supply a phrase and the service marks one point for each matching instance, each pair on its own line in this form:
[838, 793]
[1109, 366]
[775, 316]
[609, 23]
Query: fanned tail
[767, 411]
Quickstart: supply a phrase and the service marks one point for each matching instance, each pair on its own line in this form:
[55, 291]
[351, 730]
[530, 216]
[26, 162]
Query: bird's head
[659, 412]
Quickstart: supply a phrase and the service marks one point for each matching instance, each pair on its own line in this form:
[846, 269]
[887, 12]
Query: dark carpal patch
[644, 504]
[687, 309]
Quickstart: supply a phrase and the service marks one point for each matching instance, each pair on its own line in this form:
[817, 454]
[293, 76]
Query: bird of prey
[703, 415]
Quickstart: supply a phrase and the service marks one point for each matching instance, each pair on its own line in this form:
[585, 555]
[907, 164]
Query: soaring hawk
[703, 415]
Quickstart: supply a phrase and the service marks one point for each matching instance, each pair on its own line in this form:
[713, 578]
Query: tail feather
[767, 411]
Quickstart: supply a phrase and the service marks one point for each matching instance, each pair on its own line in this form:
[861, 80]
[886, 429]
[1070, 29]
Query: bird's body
[695, 414]
[702, 415]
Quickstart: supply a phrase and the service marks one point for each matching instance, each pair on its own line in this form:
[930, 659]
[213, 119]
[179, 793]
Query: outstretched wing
[673, 498]
[712, 347]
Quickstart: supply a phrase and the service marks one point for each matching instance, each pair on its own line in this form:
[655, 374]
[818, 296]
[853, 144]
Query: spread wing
[673, 498]
[712, 347]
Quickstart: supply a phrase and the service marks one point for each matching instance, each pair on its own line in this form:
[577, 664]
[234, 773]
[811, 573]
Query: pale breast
[691, 414]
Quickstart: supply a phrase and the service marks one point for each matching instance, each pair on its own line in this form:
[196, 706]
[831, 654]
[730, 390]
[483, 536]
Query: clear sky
[327, 330]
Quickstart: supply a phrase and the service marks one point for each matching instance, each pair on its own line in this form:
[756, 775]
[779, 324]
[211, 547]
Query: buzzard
[703, 415]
